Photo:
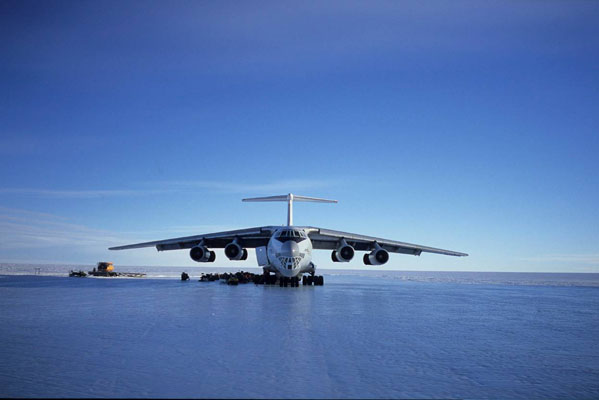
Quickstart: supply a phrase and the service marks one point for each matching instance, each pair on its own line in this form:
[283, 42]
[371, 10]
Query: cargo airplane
[287, 250]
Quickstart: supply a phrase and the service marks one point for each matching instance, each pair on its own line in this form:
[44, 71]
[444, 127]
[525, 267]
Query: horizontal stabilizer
[290, 198]
[287, 197]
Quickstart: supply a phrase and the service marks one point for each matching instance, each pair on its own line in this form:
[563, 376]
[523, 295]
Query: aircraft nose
[290, 249]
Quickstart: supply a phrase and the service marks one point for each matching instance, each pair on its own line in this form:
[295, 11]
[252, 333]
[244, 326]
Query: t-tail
[290, 198]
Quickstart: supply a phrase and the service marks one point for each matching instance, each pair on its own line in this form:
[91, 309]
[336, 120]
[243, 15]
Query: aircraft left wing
[328, 239]
[250, 237]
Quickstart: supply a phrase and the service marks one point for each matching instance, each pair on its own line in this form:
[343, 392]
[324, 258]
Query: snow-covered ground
[357, 336]
[464, 277]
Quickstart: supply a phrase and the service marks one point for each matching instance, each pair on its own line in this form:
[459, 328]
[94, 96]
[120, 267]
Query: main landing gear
[267, 279]
[317, 280]
[271, 279]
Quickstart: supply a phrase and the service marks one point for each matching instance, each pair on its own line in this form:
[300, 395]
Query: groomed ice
[357, 336]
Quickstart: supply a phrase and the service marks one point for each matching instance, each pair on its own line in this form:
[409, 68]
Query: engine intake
[378, 256]
[344, 252]
[202, 254]
[234, 251]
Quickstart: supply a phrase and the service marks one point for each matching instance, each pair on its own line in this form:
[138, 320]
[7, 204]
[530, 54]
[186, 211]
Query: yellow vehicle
[104, 268]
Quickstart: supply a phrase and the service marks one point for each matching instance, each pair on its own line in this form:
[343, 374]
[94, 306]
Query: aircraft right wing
[250, 237]
[329, 240]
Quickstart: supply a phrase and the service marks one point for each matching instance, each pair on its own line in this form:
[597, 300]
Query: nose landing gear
[293, 282]
[271, 279]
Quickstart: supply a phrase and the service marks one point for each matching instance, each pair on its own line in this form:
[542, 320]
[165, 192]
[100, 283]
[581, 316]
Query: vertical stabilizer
[290, 198]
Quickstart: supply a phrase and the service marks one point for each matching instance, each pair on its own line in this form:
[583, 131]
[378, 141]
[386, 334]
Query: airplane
[286, 251]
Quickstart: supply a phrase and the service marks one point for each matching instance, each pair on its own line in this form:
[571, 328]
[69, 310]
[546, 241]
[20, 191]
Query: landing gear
[272, 279]
[316, 280]
[282, 281]
[268, 278]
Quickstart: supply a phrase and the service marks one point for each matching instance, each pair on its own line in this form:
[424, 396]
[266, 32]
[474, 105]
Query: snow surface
[357, 336]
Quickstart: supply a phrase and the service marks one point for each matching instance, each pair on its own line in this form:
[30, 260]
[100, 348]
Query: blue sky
[471, 126]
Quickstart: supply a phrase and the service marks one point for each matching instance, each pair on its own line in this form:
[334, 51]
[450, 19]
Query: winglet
[290, 198]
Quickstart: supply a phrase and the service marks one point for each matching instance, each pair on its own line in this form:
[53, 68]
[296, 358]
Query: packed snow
[356, 336]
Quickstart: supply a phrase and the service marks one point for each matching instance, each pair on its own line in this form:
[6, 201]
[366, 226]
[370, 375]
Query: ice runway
[355, 337]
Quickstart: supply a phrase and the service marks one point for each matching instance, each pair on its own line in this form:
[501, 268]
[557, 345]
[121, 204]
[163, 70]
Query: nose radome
[291, 249]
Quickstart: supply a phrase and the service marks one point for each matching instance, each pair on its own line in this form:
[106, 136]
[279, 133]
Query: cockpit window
[291, 234]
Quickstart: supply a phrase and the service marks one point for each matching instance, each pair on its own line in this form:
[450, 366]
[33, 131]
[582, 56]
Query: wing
[329, 240]
[251, 237]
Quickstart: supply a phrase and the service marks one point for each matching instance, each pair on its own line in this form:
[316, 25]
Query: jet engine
[344, 252]
[202, 254]
[377, 256]
[235, 252]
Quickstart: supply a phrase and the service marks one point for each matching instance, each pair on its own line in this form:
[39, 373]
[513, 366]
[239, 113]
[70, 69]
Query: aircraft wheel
[286, 282]
[321, 280]
[304, 280]
[281, 281]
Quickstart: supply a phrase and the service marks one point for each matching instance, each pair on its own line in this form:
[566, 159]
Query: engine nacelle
[378, 256]
[344, 252]
[202, 254]
[234, 251]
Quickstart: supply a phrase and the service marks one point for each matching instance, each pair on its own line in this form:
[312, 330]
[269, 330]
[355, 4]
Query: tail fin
[290, 198]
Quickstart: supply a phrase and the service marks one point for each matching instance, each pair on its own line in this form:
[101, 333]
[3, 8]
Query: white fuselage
[289, 252]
